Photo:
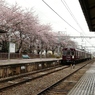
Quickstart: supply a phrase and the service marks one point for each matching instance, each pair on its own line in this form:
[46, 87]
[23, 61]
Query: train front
[68, 56]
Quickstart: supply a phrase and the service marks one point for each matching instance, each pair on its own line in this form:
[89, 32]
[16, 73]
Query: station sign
[12, 47]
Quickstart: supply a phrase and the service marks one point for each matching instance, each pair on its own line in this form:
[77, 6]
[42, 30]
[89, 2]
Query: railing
[19, 56]
[16, 56]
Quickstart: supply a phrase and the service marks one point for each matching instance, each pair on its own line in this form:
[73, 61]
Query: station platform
[25, 61]
[86, 85]
[14, 67]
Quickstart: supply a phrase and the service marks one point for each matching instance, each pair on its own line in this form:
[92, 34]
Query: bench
[25, 56]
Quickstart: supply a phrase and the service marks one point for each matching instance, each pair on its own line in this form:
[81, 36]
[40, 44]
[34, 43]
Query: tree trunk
[20, 46]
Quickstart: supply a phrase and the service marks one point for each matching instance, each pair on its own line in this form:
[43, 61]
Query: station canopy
[88, 7]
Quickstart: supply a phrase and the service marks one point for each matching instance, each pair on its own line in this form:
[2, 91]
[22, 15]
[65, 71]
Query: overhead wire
[61, 17]
[64, 19]
[66, 6]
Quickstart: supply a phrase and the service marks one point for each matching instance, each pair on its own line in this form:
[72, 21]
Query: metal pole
[59, 43]
[9, 37]
[9, 52]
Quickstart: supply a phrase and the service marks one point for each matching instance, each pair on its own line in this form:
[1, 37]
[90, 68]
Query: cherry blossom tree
[26, 32]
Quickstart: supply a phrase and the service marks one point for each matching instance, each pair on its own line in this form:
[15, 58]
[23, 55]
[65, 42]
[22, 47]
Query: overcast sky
[46, 15]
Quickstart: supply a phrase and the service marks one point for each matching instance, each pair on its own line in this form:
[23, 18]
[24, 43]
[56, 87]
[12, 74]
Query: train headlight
[73, 57]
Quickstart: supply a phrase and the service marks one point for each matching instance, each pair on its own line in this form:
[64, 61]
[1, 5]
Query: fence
[16, 56]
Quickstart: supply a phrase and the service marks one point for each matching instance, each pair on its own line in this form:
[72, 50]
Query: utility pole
[58, 42]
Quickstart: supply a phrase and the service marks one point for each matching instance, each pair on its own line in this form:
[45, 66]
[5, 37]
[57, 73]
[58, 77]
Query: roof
[88, 7]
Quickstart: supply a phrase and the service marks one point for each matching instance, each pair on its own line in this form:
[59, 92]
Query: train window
[68, 52]
[77, 53]
[64, 52]
[72, 53]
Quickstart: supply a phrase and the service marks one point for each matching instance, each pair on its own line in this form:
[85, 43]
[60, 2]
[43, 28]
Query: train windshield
[68, 52]
[72, 53]
[64, 52]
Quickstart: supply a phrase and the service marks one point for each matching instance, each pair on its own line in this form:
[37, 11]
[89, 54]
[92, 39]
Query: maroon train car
[72, 55]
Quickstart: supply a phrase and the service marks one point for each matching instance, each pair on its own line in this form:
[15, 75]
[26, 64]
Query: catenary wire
[66, 6]
[61, 17]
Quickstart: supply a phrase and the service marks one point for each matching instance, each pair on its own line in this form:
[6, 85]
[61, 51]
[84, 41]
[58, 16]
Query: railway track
[8, 83]
[54, 89]
[26, 74]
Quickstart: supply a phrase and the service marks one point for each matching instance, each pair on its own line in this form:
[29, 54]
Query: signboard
[12, 47]
[22, 67]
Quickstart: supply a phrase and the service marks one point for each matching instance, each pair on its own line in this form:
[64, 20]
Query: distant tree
[27, 32]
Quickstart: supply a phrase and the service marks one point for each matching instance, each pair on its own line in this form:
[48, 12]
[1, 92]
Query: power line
[78, 37]
[66, 6]
[60, 16]
[64, 19]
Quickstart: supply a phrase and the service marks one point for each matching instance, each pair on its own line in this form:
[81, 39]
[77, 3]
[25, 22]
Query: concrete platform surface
[21, 61]
[86, 85]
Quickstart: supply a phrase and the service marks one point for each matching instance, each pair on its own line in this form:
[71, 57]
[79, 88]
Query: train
[74, 56]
